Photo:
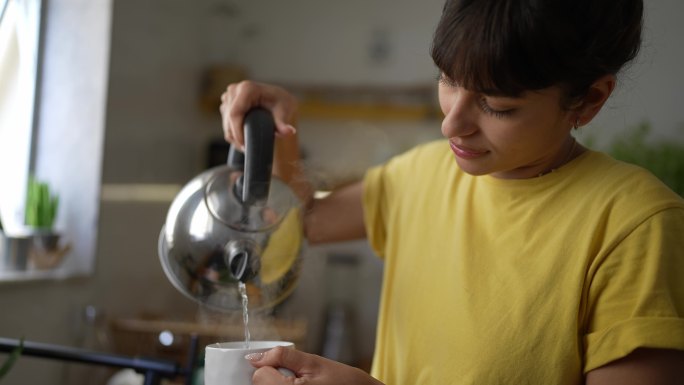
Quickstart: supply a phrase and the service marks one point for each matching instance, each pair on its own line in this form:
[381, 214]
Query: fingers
[309, 369]
[224, 108]
[235, 103]
[279, 357]
[271, 376]
[282, 357]
[239, 98]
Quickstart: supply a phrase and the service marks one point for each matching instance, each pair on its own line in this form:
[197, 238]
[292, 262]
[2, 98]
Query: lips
[466, 152]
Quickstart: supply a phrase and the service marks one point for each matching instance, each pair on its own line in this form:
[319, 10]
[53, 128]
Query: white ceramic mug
[225, 363]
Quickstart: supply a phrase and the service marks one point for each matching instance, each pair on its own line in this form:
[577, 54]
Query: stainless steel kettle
[236, 223]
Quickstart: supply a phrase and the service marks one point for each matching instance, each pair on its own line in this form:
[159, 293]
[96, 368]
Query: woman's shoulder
[622, 181]
[425, 163]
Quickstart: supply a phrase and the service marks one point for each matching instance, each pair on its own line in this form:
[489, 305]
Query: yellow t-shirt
[528, 281]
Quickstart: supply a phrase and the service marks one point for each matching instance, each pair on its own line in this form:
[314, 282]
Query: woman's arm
[643, 366]
[339, 216]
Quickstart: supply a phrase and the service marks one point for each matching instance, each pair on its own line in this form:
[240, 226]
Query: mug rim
[253, 345]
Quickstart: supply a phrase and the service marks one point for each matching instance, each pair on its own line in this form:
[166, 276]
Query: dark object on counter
[339, 338]
[14, 252]
[153, 369]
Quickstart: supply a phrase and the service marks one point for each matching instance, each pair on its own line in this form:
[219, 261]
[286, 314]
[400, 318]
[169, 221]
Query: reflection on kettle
[235, 223]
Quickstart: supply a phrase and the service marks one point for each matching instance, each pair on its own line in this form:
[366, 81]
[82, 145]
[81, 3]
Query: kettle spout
[242, 259]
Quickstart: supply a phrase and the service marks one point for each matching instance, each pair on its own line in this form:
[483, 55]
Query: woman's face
[511, 138]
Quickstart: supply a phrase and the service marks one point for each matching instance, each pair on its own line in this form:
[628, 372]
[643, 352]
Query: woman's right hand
[339, 217]
[308, 369]
[245, 95]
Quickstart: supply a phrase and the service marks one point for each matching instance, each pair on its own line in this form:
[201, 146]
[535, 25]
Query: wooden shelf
[335, 101]
[413, 102]
[314, 109]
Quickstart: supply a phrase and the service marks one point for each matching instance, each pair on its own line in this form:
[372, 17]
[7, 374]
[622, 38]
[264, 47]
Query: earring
[577, 123]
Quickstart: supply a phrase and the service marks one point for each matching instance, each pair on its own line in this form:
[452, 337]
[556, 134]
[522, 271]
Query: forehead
[484, 48]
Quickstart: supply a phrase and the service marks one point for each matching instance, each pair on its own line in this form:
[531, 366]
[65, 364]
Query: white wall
[652, 89]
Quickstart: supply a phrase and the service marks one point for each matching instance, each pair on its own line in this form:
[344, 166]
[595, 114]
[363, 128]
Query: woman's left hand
[308, 368]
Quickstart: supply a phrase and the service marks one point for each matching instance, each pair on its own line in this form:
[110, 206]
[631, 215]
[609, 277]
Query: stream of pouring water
[242, 288]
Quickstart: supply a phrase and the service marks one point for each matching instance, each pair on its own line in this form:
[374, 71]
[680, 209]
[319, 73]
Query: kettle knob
[242, 257]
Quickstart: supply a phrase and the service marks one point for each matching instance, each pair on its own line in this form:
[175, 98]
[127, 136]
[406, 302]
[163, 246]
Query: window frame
[68, 121]
[18, 151]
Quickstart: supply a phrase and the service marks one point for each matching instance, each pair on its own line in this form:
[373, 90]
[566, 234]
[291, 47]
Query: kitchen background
[159, 66]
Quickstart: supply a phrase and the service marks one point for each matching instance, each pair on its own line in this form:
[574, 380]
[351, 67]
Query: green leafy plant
[41, 205]
[665, 159]
[9, 362]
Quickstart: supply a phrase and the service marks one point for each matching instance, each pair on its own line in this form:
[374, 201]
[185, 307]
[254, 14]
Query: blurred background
[125, 111]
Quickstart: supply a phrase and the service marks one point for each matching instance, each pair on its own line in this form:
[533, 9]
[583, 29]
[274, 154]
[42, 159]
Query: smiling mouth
[465, 152]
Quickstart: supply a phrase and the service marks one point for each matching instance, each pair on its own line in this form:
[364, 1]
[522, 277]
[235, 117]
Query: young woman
[513, 255]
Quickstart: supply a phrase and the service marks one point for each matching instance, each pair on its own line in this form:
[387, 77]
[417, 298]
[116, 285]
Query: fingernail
[254, 357]
[292, 129]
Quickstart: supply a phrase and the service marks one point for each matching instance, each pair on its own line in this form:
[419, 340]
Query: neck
[572, 150]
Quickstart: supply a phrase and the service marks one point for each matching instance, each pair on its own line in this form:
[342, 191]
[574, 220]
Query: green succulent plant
[41, 205]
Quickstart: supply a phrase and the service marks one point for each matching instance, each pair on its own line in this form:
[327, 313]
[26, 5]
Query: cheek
[503, 136]
[525, 137]
[511, 136]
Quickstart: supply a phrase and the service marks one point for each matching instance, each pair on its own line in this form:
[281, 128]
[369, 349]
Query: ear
[596, 96]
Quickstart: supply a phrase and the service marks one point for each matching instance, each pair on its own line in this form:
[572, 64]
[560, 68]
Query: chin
[472, 169]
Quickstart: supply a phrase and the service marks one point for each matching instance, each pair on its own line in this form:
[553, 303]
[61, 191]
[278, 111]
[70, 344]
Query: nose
[459, 116]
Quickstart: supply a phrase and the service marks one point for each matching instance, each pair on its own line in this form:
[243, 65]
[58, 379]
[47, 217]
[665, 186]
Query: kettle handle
[259, 128]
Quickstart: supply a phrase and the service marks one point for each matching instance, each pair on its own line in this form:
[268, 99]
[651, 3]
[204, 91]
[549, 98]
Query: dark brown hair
[507, 47]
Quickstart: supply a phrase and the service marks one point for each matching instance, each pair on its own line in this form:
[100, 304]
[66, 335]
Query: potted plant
[39, 215]
[665, 159]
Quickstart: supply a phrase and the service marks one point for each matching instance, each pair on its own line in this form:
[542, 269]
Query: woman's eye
[486, 108]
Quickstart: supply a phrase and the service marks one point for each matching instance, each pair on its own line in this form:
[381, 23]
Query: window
[53, 84]
[19, 31]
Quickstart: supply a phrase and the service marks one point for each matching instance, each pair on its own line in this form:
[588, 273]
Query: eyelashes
[487, 109]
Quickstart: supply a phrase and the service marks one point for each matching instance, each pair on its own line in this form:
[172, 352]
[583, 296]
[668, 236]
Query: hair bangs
[487, 57]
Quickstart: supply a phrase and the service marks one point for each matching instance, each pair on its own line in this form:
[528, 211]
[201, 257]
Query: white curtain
[19, 32]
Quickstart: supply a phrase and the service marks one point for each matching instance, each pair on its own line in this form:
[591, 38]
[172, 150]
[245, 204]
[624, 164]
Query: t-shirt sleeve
[384, 189]
[636, 296]
[375, 209]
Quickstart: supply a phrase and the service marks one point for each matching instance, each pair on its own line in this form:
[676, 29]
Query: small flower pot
[45, 240]
[14, 252]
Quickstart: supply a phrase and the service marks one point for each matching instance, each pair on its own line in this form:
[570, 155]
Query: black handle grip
[236, 158]
[259, 129]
